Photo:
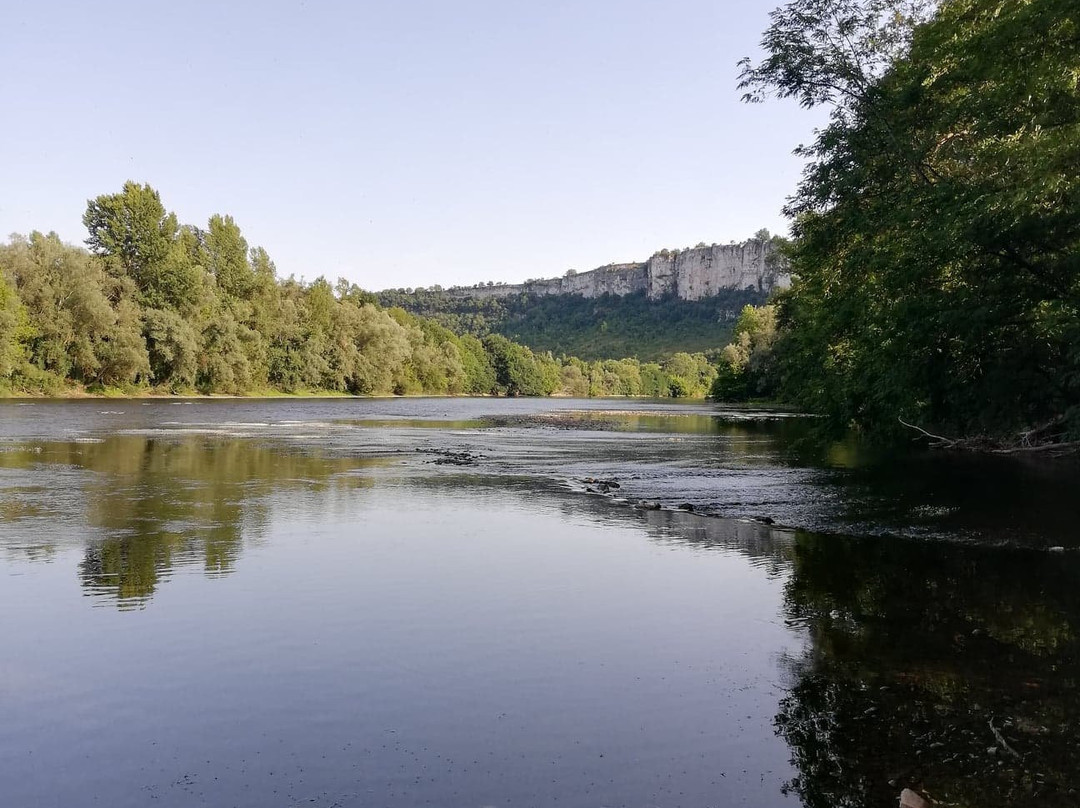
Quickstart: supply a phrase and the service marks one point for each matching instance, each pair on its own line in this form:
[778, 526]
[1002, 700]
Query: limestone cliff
[690, 274]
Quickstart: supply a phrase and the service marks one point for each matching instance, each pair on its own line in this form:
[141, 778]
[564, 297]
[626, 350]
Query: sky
[405, 143]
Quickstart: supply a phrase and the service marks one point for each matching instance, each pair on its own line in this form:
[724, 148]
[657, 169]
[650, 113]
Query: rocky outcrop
[690, 274]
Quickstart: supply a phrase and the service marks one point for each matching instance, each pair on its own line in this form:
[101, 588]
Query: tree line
[936, 249]
[154, 305]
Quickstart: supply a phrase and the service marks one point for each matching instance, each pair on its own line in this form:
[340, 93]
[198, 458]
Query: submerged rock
[603, 486]
[909, 799]
[447, 457]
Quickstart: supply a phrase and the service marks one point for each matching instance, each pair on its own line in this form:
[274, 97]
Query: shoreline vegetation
[79, 393]
[935, 249]
[156, 305]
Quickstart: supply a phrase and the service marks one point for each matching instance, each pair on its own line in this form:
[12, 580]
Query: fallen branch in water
[1041, 434]
[940, 440]
[1062, 448]
[1001, 740]
[1024, 444]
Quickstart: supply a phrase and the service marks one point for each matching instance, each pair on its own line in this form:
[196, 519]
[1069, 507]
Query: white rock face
[705, 271]
[687, 274]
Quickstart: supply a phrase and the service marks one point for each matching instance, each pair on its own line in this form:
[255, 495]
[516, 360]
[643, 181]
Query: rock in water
[909, 799]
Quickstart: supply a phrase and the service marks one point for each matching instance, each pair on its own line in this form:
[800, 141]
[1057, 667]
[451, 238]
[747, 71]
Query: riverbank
[72, 391]
[137, 393]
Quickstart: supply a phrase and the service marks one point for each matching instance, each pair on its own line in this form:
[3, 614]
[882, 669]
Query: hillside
[602, 327]
[680, 300]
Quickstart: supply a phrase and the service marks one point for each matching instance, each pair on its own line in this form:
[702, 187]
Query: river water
[491, 602]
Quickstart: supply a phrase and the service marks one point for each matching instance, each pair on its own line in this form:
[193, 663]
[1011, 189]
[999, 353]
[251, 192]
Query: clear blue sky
[402, 143]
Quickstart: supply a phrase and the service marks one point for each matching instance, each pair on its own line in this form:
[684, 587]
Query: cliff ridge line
[689, 274]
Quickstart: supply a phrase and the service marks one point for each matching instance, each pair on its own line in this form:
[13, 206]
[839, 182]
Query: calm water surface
[510, 602]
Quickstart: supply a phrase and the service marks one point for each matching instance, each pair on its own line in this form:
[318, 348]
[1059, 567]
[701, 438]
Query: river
[524, 602]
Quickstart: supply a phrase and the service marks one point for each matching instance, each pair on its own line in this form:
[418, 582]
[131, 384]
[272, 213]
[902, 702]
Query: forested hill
[677, 300]
[600, 327]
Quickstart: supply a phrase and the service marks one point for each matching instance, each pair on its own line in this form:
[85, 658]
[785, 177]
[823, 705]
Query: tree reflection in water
[949, 669]
[153, 505]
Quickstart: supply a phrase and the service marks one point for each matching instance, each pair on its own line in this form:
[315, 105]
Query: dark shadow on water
[1019, 501]
[950, 668]
[946, 668]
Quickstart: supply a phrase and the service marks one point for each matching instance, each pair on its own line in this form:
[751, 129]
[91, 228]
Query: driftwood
[1065, 447]
[939, 440]
[1001, 740]
[1054, 429]
[1044, 438]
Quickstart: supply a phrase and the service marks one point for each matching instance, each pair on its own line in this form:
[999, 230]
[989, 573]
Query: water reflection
[144, 507]
[1012, 500]
[949, 669]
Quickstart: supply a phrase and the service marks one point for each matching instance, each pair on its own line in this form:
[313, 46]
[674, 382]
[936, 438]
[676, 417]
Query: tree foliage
[156, 304]
[831, 51]
[590, 327]
[746, 369]
[937, 227]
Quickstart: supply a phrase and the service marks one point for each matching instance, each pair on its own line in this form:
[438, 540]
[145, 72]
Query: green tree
[517, 372]
[937, 232]
[476, 362]
[12, 323]
[135, 236]
[689, 375]
[746, 367]
[573, 381]
[654, 382]
[80, 322]
[172, 347]
[227, 254]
